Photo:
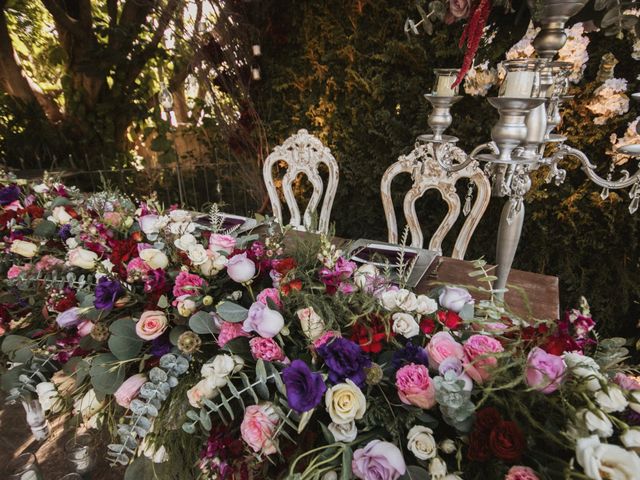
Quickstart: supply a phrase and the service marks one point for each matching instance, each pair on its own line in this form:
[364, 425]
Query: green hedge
[346, 71]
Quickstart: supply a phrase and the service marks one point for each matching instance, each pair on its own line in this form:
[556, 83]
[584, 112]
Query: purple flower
[156, 281]
[409, 354]
[334, 278]
[345, 359]
[65, 232]
[107, 292]
[69, 318]
[9, 194]
[160, 345]
[305, 388]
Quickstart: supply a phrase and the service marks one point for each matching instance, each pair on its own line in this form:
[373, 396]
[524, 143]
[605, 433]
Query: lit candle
[444, 87]
[519, 84]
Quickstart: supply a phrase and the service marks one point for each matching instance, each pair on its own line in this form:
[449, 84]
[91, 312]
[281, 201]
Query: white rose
[362, 273]
[601, 460]
[448, 446]
[345, 402]
[154, 258]
[344, 432]
[405, 325]
[388, 299]
[421, 443]
[631, 439]
[182, 228]
[185, 306]
[312, 325]
[49, 397]
[40, 188]
[634, 401]
[185, 241]
[330, 475]
[584, 368]
[612, 401]
[455, 298]
[437, 469]
[179, 216]
[406, 300]
[201, 391]
[71, 243]
[60, 216]
[214, 263]
[197, 254]
[597, 422]
[154, 453]
[81, 258]
[426, 305]
[88, 405]
[24, 249]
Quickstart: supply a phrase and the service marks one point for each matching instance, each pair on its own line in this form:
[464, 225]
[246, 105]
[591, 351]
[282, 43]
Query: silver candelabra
[529, 104]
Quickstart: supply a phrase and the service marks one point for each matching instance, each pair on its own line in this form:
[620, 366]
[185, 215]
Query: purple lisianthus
[69, 318]
[9, 194]
[305, 388]
[160, 345]
[65, 232]
[409, 354]
[345, 359]
[107, 292]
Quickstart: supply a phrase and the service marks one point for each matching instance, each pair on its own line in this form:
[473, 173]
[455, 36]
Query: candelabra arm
[446, 153]
[485, 146]
[590, 169]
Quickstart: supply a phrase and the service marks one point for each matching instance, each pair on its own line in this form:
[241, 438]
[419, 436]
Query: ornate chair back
[303, 153]
[427, 174]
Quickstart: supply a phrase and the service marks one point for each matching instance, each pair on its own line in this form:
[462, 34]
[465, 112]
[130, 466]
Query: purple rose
[378, 461]
[9, 194]
[544, 371]
[69, 318]
[107, 292]
[345, 359]
[305, 388]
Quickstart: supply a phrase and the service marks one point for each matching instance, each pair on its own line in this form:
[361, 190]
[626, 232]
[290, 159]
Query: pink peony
[442, 346]
[266, 349]
[544, 371]
[478, 350]
[378, 460]
[270, 294]
[518, 472]
[113, 219]
[415, 386]
[151, 325]
[225, 243]
[258, 427]
[187, 284]
[129, 389]
[229, 331]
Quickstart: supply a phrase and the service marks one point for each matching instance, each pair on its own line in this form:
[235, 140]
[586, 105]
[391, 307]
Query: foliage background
[346, 71]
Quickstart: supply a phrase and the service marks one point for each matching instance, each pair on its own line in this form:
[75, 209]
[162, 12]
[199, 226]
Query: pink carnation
[519, 472]
[324, 338]
[47, 262]
[478, 350]
[266, 349]
[187, 284]
[270, 294]
[14, 271]
[138, 266]
[259, 426]
[415, 386]
[229, 331]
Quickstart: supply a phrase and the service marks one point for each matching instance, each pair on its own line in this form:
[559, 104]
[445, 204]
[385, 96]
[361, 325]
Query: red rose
[283, 265]
[427, 325]
[507, 441]
[479, 450]
[449, 319]
[487, 419]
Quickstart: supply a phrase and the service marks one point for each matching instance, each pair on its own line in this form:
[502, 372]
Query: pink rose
[187, 284]
[378, 460]
[14, 271]
[415, 386]
[626, 382]
[544, 371]
[129, 389]
[270, 294]
[229, 331]
[442, 346]
[478, 350]
[258, 427]
[240, 268]
[85, 327]
[266, 349]
[518, 472]
[151, 325]
[225, 243]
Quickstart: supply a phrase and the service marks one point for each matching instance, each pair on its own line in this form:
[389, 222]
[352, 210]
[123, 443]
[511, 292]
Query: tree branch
[61, 18]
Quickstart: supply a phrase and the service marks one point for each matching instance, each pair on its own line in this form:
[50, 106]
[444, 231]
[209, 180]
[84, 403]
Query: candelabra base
[431, 138]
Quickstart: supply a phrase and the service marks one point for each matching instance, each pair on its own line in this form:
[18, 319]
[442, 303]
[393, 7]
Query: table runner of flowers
[214, 354]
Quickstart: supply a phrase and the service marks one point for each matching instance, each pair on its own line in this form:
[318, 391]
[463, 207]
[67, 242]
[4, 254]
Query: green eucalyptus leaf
[106, 376]
[202, 323]
[232, 312]
[45, 229]
[17, 348]
[124, 348]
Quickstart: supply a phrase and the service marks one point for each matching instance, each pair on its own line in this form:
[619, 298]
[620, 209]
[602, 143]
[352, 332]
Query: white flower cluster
[215, 375]
[409, 304]
[421, 442]
[524, 47]
[610, 100]
[480, 79]
[631, 137]
[575, 51]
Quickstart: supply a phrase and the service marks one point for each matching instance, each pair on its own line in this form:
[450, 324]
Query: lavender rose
[265, 322]
[378, 461]
[69, 318]
[454, 298]
[345, 360]
[305, 388]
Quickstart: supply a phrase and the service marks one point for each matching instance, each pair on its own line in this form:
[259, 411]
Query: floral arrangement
[609, 100]
[630, 137]
[218, 355]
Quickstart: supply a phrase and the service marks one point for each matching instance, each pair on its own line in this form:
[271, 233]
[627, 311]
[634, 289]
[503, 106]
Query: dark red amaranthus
[472, 33]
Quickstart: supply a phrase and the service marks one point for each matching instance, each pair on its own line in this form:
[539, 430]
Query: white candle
[30, 475]
[444, 89]
[519, 84]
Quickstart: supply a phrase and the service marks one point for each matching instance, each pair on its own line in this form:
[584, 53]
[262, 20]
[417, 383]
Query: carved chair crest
[303, 153]
[426, 174]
